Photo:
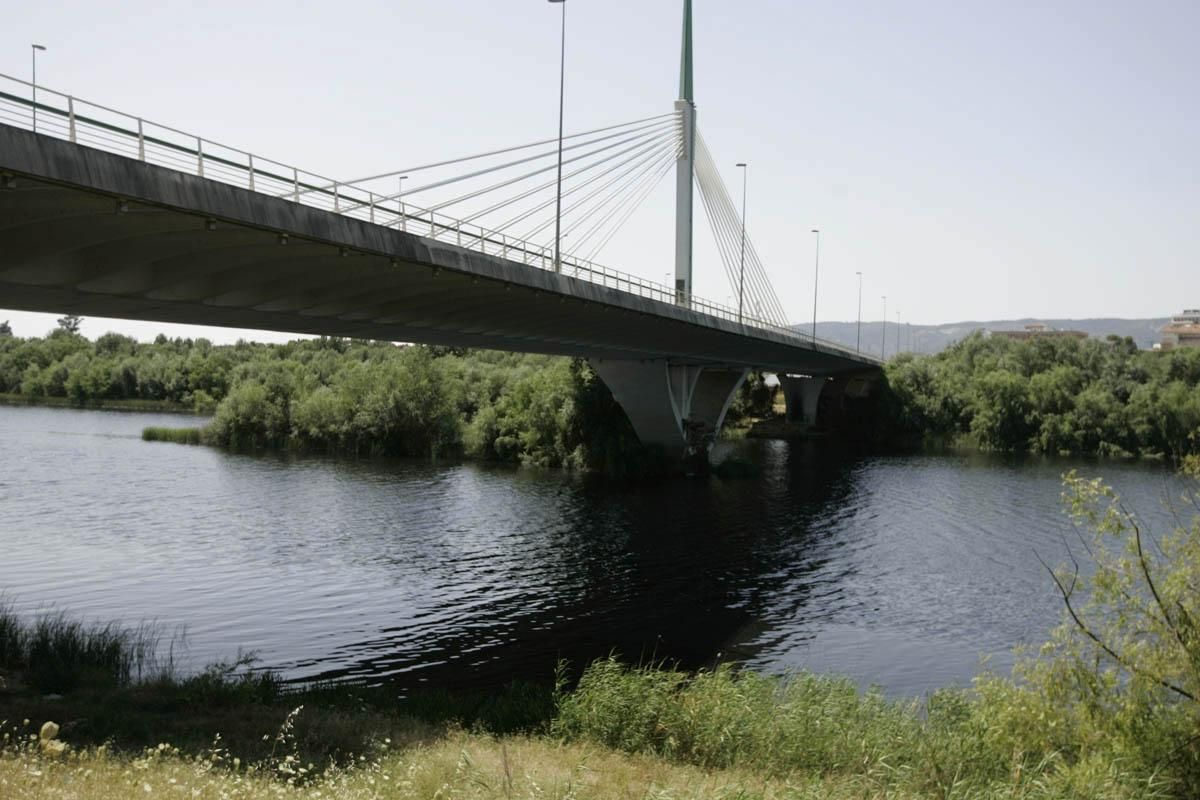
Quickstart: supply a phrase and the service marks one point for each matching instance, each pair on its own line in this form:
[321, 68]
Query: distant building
[1038, 330]
[1182, 331]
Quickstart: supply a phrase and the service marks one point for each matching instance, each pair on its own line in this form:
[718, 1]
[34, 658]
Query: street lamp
[742, 274]
[399, 202]
[816, 275]
[562, 82]
[858, 346]
[883, 347]
[35, 48]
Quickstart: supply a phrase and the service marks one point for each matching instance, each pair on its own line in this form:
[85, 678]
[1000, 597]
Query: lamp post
[816, 276]
[742, 273]
[858, 345]
[399, 202]
[35, 49]
[883, 347]
[562, 82]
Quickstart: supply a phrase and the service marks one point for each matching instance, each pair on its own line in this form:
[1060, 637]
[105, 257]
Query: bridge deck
[89, 232]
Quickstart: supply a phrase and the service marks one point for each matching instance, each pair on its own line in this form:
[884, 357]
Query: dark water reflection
[900, 571]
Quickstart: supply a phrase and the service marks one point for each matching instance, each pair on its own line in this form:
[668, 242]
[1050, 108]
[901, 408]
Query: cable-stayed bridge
[103, 213]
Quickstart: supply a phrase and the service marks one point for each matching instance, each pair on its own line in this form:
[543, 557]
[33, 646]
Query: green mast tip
[685, 67]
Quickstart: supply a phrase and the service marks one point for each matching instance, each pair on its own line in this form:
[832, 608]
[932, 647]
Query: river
[898, 571]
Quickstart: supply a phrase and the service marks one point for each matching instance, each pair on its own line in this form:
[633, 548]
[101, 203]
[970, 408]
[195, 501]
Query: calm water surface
[899, 571]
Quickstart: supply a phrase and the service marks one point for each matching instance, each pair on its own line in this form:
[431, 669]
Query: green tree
[1002, 419]
[1124, 667]
[70, 323]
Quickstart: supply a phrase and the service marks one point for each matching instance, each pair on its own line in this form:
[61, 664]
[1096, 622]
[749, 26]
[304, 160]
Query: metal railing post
[336, 200]
[295, 184]
[403, 218]
[199, 156]
[371, 200]
[251, 162]
[458, 231]
[71, 118]
[141, 142]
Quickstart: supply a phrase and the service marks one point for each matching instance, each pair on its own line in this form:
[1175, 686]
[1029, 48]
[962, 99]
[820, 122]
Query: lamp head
[739, 164]
[38, 47]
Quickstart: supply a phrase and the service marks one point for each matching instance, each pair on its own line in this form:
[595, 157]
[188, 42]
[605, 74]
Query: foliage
[345, 396]
[1048, 395]
[753, 399]
[1126, 662]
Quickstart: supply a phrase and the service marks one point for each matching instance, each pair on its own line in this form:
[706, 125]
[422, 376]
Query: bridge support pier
[802, 394]
[678, 407]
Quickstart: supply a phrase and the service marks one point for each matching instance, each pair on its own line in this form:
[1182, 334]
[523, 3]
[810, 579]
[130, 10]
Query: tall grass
[957, 744]
[176, 435]
[54, 653]
[724, 717]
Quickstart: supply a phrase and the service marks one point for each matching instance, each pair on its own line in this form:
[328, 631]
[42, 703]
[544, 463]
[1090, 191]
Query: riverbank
[127, 404]
[620, 733]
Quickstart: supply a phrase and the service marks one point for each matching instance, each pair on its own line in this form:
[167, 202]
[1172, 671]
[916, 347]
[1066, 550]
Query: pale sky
[975, 160]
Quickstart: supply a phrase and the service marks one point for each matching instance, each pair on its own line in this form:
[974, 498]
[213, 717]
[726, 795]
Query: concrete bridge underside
[91, 233]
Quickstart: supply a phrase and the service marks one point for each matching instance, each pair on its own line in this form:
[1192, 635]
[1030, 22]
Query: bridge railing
[64, 116]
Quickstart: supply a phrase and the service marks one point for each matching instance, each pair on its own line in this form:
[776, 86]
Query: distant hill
[934, 338]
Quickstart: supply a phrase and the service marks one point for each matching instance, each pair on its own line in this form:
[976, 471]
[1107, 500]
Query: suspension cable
[396, 173]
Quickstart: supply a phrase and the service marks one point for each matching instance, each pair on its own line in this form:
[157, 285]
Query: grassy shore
[127, 724]
[453, 764]
[621, 734]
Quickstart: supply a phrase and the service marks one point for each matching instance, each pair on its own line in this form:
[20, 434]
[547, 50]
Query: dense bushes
[346, 396]
[338, 395]
[1050, 395]
[64, 364]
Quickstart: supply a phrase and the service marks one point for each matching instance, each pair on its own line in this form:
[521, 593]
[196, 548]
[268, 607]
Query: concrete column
[678, 407]
[802, 395]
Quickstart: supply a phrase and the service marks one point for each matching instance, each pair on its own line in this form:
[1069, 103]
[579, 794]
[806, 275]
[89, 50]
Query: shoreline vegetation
[361, 398]
[1053, 396]
[125, 404]
[1106, 708]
